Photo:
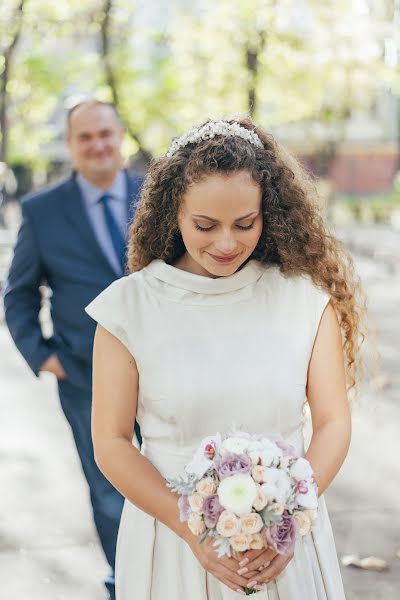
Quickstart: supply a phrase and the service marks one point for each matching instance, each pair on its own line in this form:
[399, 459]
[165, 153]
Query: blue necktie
[116, 236]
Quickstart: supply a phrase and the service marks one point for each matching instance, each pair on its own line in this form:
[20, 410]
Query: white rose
[236, 445]
[277, 486]
[301, 470]
[237, 493]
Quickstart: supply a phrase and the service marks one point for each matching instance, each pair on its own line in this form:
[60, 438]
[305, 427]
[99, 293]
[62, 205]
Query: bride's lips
[224, 259]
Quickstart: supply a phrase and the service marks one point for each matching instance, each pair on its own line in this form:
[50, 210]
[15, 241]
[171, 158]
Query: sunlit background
[324, 78]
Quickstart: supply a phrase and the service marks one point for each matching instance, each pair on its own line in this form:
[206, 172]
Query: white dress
[212, 354]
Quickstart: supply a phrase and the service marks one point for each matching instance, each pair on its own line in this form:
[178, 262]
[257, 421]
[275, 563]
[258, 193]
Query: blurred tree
[302, 64]
[111, 76]
[11, 17]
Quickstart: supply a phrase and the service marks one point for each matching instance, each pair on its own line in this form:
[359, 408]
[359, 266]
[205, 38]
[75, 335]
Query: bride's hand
[225, 569]
[262, 566]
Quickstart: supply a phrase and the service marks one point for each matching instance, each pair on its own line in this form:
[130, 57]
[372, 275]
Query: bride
[240, 306]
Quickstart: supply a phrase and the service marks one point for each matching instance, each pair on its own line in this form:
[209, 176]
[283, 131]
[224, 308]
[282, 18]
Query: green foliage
[174, 69]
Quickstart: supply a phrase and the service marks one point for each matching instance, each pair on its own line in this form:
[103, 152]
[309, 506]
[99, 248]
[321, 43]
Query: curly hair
[295, 235]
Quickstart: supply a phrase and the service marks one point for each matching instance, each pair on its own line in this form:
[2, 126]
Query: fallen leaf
[373, 563]
[369, 563]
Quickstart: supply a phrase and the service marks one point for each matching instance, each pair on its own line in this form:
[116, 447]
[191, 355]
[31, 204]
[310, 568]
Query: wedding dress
[213, 354]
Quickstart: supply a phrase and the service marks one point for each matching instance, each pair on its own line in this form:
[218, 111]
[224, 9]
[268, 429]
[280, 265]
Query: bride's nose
[226, 244]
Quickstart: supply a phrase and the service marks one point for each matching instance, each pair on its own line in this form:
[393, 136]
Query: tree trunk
[5, 76]
[144, 154]
[253, 52]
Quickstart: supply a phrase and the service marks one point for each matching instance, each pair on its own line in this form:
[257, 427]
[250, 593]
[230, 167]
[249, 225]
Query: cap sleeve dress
[212, 354]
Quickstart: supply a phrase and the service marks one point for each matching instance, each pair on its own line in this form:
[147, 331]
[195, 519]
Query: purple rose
[232, 464]
[212, 510]
[282, 536]
[184, 508]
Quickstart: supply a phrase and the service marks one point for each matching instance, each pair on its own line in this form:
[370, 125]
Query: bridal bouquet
[248, 492]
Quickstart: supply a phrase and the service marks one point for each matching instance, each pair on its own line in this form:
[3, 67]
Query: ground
[48, 545]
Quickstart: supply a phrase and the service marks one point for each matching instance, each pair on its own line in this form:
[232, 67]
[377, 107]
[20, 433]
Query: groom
[72, 238]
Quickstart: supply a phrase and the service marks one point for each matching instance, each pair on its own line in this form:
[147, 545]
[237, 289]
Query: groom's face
[94, 138]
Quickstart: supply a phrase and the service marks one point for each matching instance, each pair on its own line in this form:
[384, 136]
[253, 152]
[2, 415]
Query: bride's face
[221, 221]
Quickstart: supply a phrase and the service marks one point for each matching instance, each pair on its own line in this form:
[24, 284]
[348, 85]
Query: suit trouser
[106, 501]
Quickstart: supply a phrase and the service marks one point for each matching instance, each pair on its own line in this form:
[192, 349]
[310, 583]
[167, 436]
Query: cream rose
[206, 487]
[260, 501]
[240, 543]
[228, 524]
[303, 521]
[196, 524]
[312, 513]
[258, 473]
[256, 542]
[196, 502]
[251, 523]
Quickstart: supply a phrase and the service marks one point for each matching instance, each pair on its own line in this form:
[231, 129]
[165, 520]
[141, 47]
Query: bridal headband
[210, 130]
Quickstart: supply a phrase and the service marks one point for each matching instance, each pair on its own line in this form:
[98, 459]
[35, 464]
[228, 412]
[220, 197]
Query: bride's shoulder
[293, 285]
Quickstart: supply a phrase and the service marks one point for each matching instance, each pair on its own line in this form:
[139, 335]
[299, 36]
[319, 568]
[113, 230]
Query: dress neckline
[250, 273]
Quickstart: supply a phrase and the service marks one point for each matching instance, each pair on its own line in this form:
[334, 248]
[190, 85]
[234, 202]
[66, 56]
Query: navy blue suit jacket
[57, 245]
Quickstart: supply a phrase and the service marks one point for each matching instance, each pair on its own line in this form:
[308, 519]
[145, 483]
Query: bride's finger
[277, 565]
[236, 581]
[263, 558]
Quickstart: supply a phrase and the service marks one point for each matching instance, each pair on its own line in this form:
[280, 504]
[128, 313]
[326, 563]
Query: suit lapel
[75, 212]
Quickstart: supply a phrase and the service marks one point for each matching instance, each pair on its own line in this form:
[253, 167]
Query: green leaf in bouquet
[269, 517]
[204, 536]
[223, 547]
[249, 591]
[184, 484]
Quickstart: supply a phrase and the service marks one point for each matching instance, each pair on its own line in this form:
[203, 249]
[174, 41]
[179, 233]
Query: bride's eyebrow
[254, 213]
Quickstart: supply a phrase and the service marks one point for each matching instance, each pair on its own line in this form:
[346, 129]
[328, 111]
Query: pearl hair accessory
[210, 130]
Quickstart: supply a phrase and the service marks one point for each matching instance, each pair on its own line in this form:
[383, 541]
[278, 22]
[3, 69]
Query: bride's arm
[327, 398]
[326, 393]
[115, 393]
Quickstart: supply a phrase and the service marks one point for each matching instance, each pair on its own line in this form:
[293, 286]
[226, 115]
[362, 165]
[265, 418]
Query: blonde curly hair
[295, 235]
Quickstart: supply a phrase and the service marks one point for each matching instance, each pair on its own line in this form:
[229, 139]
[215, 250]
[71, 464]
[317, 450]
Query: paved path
[48, 546]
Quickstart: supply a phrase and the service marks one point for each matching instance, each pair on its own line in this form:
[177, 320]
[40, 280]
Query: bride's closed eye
[242, 227]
